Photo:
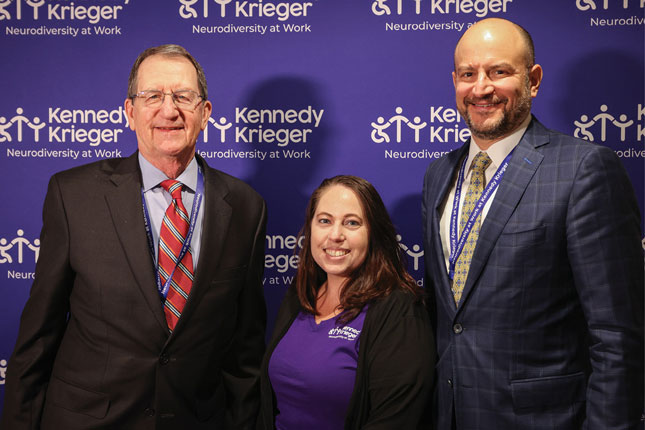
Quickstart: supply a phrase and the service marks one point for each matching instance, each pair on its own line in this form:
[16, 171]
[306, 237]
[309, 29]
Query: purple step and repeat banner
[302, 90]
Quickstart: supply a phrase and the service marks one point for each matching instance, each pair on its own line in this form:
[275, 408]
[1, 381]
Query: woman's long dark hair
[383, 269]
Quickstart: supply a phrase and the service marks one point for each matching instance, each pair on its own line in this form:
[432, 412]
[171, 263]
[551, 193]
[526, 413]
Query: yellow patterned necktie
[477, 181]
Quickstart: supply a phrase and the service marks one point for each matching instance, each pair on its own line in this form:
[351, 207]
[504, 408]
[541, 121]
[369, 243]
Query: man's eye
[153, 96]
[182, 98]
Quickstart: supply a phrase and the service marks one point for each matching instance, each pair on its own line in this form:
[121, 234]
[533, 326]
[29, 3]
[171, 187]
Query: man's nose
[168, 106]
[483, 84]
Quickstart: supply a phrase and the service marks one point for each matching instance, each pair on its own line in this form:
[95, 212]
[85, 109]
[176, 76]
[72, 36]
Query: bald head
[495, 79]
[498, 30]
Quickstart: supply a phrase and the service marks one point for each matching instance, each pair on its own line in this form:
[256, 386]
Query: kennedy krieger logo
[81, 127]
[247, 10]
[61, 11]
[266, 131]
[443, 123]
[479, 8]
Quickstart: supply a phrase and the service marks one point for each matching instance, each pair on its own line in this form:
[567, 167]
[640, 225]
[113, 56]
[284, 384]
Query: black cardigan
[395, 367]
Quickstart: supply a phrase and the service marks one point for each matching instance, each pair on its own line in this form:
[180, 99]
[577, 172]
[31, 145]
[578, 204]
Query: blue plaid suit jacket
[549, 331]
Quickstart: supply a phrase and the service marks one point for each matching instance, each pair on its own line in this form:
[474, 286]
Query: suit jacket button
[149, 412]
[457, 328]
[450, 382]
[164, 359]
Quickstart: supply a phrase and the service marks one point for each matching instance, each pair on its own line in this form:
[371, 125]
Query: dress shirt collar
[152, 176]
[499, 150]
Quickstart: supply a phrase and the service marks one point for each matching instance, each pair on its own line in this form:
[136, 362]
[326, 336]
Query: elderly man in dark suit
[533, 259]
[147, 308]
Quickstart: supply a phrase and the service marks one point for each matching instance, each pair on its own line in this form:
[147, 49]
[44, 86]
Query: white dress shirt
[497, 153]
[158, 200]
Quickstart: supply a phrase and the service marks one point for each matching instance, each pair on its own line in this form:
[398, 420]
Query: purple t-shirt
[312, 371]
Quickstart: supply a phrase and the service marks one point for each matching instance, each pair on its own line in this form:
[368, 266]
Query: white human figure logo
[379, 8]
[585, 4]
[35, 4]
[622, 125]
[222, 126]
[4, 13]
[36, 126]
[398, 119]
[4, 257]
[603, 117]
[222, 5]
[378, 135]
[3, 371]
[416, 252]
[186, 9]
[4, 125]
[19, 119]
[582, 127]
[417, 125]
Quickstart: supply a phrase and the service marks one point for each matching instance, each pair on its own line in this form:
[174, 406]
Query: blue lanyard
[457, 246]
[199, 194]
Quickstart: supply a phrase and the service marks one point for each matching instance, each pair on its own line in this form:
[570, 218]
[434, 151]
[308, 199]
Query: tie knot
[173, 187]
[480, 162]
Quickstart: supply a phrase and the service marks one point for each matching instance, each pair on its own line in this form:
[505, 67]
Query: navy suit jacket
[94, 349]
[549, 331]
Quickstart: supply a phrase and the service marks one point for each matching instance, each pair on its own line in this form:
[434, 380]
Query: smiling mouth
[169, 128]
[336, 252]
[485, 104]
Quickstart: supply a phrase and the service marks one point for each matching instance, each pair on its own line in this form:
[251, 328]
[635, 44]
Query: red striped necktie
[172, 235]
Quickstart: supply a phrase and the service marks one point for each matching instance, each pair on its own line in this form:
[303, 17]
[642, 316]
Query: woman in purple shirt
[352, 346]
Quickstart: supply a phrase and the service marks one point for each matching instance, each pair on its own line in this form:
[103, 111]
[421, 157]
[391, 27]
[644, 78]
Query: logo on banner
[267, 129]
[19, 249]
[81, 127]
[600, 6]
[480, 8]
[3, 371]
[397, 123]
[415, 252]
[247, 9]
[607, 125]
[18, 124]
[604, 4]
[61, 11]
[594, 127]
[440, 125]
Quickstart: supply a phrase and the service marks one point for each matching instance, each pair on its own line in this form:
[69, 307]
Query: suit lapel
[125, 206]
[447, 173]
[522, 166]
[217, 216]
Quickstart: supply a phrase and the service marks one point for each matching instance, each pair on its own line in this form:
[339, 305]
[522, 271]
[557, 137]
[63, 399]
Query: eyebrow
[344, 216]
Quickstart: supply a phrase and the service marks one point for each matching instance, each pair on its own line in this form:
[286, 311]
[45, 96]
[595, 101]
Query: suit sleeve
[400, 368]
[603, 236]
[241, 369]
[43, 320]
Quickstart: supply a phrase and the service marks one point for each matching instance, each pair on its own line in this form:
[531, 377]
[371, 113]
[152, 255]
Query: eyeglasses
[183, 99]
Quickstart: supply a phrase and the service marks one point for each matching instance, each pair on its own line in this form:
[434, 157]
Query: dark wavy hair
[384, 268]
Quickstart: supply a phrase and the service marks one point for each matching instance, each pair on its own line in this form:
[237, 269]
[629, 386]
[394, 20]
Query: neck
[328, 300]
